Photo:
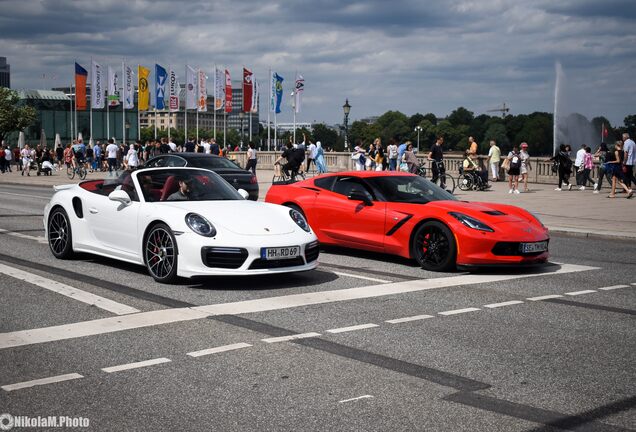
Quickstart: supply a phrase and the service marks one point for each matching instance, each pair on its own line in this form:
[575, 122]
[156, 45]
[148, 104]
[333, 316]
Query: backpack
[515, 162]
[555, 166]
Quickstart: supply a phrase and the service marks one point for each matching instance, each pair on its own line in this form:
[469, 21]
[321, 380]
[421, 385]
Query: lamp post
[241, 115]
[346, 108]
[418, 129]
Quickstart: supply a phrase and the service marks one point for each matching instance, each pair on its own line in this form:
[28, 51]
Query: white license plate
[288, 252]
[534, 247]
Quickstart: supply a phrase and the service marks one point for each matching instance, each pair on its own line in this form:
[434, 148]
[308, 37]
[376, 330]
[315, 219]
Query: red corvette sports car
[407, 215]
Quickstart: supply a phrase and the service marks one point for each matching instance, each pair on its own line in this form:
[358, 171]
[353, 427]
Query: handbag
[404, 167]
[505, 164]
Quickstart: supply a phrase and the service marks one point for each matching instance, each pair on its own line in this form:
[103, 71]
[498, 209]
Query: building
[238, 119]
[289, 127]
[5, 73]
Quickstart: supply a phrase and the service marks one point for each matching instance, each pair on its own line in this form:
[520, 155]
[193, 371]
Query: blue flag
[279, 91]
[161, 76]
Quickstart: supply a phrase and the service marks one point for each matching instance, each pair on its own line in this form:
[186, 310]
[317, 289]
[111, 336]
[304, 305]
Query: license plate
[288, 252]
[534, 247]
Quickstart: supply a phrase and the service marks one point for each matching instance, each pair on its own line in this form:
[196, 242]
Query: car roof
[145, 170]
[368, 174]
[188, 155]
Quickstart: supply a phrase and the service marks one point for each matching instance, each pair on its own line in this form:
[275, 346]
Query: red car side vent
[494, 212]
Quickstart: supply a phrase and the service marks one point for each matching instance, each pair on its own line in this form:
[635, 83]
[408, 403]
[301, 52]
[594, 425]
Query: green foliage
[461, 116]
[497, 131]
[327, 136]
[13, 115]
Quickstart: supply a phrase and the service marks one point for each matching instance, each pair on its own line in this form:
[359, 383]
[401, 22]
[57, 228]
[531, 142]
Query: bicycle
[80, 171]
[444, 179]
[281, 177]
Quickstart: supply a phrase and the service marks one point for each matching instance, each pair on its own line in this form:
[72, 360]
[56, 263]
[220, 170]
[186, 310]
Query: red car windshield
[408, 189]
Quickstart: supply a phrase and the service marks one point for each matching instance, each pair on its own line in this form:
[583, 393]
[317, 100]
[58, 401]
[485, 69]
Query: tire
[70, 172]
[465, 182]
[59, 234]
[82, 173]
[160, 254]
[295, 207]
[434, 247]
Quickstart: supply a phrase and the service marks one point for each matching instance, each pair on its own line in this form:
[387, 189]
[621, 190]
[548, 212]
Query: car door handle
[93, 210]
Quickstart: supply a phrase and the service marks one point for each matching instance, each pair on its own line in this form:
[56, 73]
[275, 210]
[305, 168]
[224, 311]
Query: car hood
[241, 217]
[489, 213]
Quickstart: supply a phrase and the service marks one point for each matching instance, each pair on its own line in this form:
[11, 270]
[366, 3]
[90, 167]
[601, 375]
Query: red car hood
[489, 213]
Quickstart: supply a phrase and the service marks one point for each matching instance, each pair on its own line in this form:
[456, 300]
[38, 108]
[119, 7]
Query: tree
[497, 132]
[327, 136]
[461, 116]
[431, 117]
[14, 116]
[415, 120]
[630, 125]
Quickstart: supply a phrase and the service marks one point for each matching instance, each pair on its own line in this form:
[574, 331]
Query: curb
[564, 232]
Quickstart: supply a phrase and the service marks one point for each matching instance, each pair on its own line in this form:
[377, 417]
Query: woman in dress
[615, 166]
[525, 165]
[320, 159]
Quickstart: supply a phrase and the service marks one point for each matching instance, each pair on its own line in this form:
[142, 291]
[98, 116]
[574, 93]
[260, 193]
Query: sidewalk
[577, 213]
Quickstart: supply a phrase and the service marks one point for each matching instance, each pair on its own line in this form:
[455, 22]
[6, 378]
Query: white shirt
[173, 147]
[111, 149]
[7, 154]
[312, 151]
[132, 158]
[580, 156]
[251, 153]
[630, 151]
[206, 147]
[393, 151]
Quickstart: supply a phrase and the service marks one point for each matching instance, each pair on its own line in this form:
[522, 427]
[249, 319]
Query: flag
[247, 90]
[80, 87]
[191, 88]
[97, 86]
[219, 89]
[113, 85]
[173, 102]
[228, 92]
[144, 91]
[128, 91]
[254, 107]
[203, 92]
[160, 87]
[277, 98]
[298, 92]
[604, 131]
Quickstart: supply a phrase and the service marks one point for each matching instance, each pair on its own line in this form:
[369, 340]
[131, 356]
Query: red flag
[248, 87]
[80, 87]
[228, 92]
[604, 131]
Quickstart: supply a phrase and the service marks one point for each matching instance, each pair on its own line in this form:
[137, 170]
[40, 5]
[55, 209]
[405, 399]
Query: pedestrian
[578, 163]
[380, 159]
[515, 169]
[525, 165]
[251, 158]
[393, 154]
[494, 158]
[470, 166]
[614, 165]
[206, 147]
[311, 155]
[321, 166]
[17, 158]
[132, 158]
[629, 147]
[436, 155]
[564, 167]
[472, 146]
[370, 162]
[401, 150]
[410, 159]
[359, 156]
[68, 155]
[601, 153]
[8, 157]
[214, 147]
[588, 164]
[90, 152]
[111, 153]
[27, 157]
[2, 159]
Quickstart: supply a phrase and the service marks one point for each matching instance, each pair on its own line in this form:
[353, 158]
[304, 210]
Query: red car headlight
[471, 222]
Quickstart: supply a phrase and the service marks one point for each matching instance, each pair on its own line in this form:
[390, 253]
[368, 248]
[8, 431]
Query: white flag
[255, 95]
[202, 92]
[97, 86]
[191, 88]
[219, 89]
[173, 104]
[298, 92]
[113, 87]
[128, 92]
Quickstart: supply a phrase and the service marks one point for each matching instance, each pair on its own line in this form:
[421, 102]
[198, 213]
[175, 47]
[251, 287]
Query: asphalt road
[366, 342]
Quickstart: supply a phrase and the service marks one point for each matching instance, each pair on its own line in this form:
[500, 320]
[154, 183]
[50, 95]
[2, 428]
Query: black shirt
[437, 153]
[189, 146]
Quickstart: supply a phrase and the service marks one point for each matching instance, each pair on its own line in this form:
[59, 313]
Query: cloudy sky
[413, 56]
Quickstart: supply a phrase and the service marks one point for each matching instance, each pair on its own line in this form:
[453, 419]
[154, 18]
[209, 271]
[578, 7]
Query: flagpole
[138, 120]
[198, 93]
[123, 105]
[269, 108]
[294, 105]
[76, 125]
[214, 106]
[225, 129]
[70, 102]
[275, 130]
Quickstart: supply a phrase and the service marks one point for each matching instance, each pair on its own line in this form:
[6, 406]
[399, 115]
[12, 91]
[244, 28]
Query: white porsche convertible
[178, 222]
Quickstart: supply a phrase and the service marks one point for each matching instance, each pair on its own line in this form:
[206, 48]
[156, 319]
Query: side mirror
[120, 196]
[243, 193]
[360, 196]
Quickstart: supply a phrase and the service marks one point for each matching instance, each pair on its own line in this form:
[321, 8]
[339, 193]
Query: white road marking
[41, 381]
[352, 328]
[575, 293]
[361, 277]
[545, 297]
[613, 287]
[355, 399]
[502, 304]
[38, 239]
[459, 311]
[146, 319]
[25, 195]
[68, 291]
[136, 365]
[291, 337]
[219, 349]
[407, 319]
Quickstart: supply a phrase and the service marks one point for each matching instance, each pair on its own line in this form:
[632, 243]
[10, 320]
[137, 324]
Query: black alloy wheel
[434, 247]
[160, 254]
[60, 237]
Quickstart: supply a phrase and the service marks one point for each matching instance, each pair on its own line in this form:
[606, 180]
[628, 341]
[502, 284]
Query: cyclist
[79, 152]
[436, 155]
[294, 157]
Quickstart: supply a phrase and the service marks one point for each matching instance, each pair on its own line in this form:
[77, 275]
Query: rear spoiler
[58, 188]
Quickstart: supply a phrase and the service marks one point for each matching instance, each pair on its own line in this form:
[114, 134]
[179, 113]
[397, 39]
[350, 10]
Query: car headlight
[299, 219]
[200, 225]
[471, 222]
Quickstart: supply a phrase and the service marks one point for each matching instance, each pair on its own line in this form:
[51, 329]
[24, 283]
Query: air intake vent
[494, 213]
[223, 257]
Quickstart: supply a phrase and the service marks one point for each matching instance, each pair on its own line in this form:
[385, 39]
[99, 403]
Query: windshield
[211, 162]
[409, 189]
[184, 185]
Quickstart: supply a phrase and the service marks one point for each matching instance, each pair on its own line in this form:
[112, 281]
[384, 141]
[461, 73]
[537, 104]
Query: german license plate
[534, 247]
[288, 252]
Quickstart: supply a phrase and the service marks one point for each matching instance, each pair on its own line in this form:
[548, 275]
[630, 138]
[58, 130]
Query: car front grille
[272, 264]
[223, 257]
[312, 250]
[511, 249]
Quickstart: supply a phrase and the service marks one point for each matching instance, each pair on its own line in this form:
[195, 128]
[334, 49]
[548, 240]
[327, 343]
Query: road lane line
[146, 319]
[290, 337]
[408, 319]
[361, 277]
[614, 287]
[41, 381]
[68, 291]
[38, 239]
[545, 297]
[356, 398]
[219, 349]
[576, 293]
[352, 328]
[459, 311]
[136, 365]
[502, 304]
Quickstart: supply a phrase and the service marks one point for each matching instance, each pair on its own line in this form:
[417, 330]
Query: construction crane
[503, 110]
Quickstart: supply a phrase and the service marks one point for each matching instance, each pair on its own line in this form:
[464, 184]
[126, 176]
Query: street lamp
[346, 108]
[418, 129]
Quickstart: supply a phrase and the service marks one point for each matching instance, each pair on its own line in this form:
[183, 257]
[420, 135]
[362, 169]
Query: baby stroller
[46, 169]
